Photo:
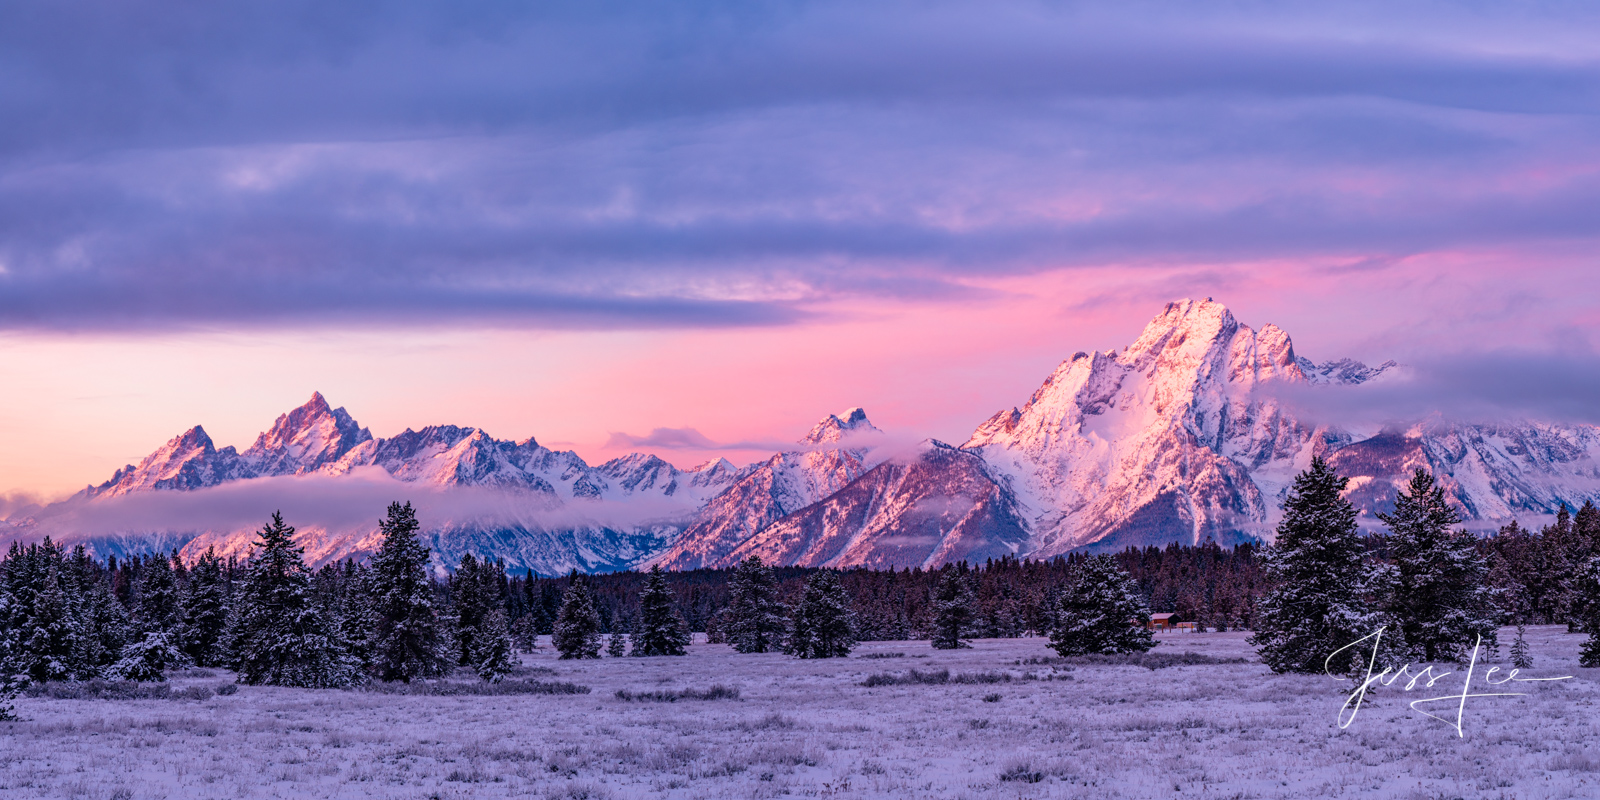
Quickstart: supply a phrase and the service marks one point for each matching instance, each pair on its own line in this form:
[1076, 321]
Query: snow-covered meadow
[811, 729]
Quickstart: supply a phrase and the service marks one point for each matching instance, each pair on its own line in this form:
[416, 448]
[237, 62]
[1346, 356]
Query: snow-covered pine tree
[1321, 581]
[577, 626]
[10, 648]
[494, 656]
[148, 659]
[1589, 585]
[357, 619]
[157, 588]
[661, 632]
[1583, 545]
[78, 578]
[282, 640]
[205, 611]
[1100, 611]
[49, 634]
[10, 686]
[1519, 650]
[953, 610]
[823, 625]
[753, 621]
[525, 632]
[405, 641]
[103, 627]
[8, 693]
[617, 646]
[470, 604]
[1440, 600]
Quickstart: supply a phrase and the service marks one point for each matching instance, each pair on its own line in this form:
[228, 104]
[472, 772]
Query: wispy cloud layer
[638, 165]
[1490, 388]
[344, 504]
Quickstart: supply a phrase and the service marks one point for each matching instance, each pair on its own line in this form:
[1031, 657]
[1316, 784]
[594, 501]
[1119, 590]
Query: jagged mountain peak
[313, 413]
[306, 439]
[195, 437]
[835, 427]
[1195, 323]
[1201, 340]
[1153, 437]
[189, 460]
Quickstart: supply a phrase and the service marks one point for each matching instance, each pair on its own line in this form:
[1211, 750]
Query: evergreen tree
[953, 609]
[356, 612]
[10, 647]
[405, 641]
[157, 589]
[104, 629]
[1440, 600]
[281, 637]
[47, 639]
[1519, 651]
[823, 625]
[661, 631]
[1319, 601]
[493, 658]
[148, 659]
[471, 604]
[8, 693]
[205, 611]
[577, 625]
[1589, 584]
[754, 619]
[1557, 570]
[525, 633]
[1100, 611]
[617, 647]
[10, 686]
[1582, 545]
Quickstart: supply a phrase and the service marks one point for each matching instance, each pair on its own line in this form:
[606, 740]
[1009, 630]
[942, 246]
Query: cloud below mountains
[344, 503]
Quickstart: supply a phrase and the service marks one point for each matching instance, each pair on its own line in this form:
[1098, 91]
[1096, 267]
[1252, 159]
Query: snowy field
[810, 729]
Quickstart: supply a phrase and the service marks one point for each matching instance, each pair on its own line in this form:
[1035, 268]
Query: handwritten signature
[1427, 677]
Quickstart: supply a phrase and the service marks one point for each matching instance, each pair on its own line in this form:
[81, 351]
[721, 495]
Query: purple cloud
[638, 165]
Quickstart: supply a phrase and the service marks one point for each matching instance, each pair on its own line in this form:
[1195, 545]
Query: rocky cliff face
[774, 489]
[1166, 440]
[938, 505]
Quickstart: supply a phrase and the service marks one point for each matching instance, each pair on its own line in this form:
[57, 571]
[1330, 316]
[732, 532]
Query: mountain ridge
[1181, 436]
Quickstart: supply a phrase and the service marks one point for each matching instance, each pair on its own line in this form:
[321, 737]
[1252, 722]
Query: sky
[696, 228]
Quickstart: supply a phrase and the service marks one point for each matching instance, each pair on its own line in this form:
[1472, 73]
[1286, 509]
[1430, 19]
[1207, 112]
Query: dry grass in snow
[993, 727]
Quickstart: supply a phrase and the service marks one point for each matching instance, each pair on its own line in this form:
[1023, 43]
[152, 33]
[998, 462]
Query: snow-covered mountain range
[1182, 436]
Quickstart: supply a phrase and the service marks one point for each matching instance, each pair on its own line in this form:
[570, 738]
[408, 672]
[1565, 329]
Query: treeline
[65, 615]
[1539, 576]
[1010, 597]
